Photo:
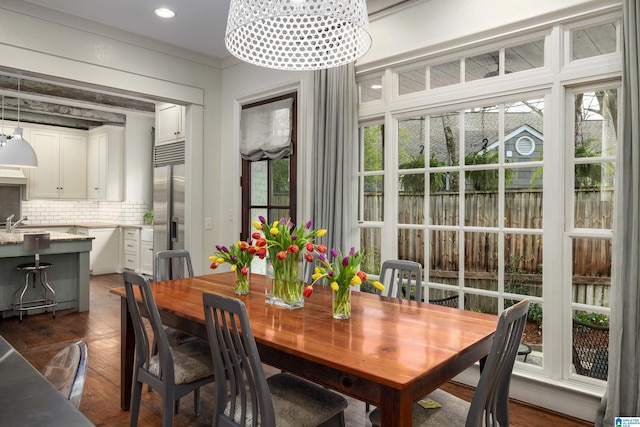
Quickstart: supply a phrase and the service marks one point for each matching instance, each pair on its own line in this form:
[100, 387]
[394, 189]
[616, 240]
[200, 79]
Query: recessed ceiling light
[163, 12]
[376, 86]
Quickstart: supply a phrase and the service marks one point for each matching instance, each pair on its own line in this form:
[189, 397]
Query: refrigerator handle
[173, 231]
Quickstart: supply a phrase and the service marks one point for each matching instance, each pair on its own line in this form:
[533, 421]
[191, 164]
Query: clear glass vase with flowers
[342, 274]
[239, 256]
[285, 244]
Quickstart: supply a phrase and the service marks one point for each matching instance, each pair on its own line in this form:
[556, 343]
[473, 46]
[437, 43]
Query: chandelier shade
[18, 153]
[298, 34]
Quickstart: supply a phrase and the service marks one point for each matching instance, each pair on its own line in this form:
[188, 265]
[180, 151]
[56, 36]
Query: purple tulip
[261, 219]
[294, 237]
[334, 253]
[234, 258]
[308, 225]
[345, 261]
[224, 249]
[322, 257]
[218, 247]
[332, 273]
[352, 251]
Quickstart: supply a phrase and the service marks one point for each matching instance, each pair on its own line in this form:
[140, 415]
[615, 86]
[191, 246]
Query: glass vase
[341, 303]
[285, 282]
[242, 281]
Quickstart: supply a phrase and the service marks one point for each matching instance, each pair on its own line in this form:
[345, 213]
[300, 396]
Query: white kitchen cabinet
[146, 258]
[105, 163]
[61, 171]
[131, 249]
[169, 123]
[104, 257]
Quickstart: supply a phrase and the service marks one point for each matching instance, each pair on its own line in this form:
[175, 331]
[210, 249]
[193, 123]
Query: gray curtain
[335, 139]
[622, 396]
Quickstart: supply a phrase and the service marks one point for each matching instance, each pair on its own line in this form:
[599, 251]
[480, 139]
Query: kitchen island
[69, 276]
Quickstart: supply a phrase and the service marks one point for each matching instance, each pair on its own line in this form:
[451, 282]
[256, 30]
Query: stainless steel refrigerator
[168, 196]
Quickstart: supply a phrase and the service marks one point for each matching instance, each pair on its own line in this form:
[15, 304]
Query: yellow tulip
[321, 232]
[233, 267]
[275, 224]
[378, 285]
[356, 280]
[213, 258]
[316, 276]
[220, 260]
[335, 286]
[256, 225]
[274, 231]
[317, 270]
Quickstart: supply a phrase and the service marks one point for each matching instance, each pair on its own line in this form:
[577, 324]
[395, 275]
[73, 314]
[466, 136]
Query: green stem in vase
[242, 283]
[342, 303]
[288, 286]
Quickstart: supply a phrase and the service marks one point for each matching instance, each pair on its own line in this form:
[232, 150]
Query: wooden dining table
[390, 353]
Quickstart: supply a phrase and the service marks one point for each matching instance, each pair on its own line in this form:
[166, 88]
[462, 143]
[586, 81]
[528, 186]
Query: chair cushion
[300, 403]
[191, 361]
[453, 412]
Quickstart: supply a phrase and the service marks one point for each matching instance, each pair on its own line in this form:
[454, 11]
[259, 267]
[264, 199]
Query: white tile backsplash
[77, 211]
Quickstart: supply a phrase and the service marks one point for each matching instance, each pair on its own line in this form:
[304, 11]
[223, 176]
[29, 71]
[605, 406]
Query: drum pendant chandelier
[298, 34]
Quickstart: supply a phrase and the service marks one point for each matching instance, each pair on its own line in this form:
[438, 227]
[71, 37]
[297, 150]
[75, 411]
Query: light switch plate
[208, 223]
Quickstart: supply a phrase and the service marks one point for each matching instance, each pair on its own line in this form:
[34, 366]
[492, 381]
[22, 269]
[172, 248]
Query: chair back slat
[173, 264]
[137, 284]
[243, 400]
[489, 406]
[400, 277]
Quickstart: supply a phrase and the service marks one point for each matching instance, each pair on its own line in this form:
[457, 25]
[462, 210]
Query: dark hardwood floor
[39, 337]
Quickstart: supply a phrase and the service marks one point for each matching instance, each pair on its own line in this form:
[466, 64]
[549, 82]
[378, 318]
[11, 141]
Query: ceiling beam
[32, 87]
[39, 107]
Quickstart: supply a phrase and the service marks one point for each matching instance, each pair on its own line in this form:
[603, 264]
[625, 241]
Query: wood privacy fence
[523, 252]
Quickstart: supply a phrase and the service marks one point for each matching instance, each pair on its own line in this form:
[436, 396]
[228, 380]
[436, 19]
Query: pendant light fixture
[17, 152]
[298, 34]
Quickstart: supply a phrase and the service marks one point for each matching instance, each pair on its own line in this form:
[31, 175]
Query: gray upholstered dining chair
[248, 398]
[175, 371]
[67, 371]
[400, 278]
[490, 403]
[170, 265]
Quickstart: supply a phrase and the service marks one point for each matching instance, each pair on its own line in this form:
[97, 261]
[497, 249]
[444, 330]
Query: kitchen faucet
[11, 226]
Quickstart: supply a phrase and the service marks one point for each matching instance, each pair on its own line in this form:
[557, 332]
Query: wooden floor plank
[38, 337]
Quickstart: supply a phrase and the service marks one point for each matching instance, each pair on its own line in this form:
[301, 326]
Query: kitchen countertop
[78, 224]
[17, 237]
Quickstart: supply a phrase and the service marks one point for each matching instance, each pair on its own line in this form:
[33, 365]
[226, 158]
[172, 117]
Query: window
[504, 190]
[269, 184]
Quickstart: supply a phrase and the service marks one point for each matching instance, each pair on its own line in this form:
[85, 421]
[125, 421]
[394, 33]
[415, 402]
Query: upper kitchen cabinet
[169, 123]
[61, 171]
[105, 163]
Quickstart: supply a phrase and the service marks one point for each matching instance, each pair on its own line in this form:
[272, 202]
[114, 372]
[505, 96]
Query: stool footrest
[34, 305]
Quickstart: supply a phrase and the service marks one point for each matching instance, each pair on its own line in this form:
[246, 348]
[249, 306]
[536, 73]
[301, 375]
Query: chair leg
[136, 396]
[169, 406]
[196, 401]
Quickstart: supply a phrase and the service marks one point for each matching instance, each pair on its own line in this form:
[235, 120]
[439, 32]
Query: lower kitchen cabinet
[105, 250]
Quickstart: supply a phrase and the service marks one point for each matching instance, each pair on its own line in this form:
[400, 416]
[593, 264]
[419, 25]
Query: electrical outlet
[208, 223]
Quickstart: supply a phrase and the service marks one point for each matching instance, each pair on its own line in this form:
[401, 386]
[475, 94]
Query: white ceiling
[199, 25]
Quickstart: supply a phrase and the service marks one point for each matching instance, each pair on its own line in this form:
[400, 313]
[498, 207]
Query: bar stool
[35, 242]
